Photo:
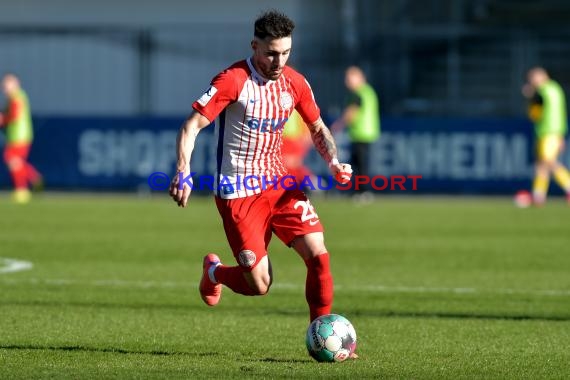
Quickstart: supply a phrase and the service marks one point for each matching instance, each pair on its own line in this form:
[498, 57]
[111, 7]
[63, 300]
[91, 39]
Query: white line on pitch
[11, 265]
[292, 286]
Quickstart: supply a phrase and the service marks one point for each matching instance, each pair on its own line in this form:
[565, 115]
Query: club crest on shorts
[285, 100]
[247, 258]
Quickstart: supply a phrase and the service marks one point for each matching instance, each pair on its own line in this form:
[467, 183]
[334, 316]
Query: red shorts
[18, 150]
[249, 222]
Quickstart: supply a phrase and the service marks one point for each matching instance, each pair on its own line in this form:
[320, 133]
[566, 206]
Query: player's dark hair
[273, 24]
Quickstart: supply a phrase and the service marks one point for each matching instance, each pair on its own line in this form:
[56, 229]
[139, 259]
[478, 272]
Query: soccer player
[362, 118]
[19, 135]
[253, 99]
[547, 109]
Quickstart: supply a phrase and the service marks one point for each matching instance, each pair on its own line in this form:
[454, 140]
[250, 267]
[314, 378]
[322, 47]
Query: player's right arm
[13, 112]
[180, 190]
[223, 90]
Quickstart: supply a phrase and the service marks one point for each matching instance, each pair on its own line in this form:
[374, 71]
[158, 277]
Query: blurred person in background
[362, 118]
[547, 110]
[17, 121]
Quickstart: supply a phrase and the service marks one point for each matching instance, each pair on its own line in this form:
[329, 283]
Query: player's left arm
[323, 140]
[320, 134]
[326, 146]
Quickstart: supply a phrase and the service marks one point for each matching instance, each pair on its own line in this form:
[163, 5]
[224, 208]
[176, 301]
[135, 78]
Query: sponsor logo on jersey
[266, 125]
[206, 96]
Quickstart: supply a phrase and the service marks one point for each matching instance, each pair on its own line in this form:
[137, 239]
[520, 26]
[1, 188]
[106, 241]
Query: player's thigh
[549, 148]
[246, 224]
[15, 155]
[11, 152]
[261, 276]
[309, 245]
[295, 216]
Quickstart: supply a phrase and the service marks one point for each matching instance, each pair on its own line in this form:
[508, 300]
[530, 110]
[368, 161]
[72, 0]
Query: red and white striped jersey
[252, 112]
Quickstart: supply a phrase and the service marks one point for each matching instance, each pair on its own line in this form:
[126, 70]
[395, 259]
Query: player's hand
[341, 172]
[527, 90]
[180, 192]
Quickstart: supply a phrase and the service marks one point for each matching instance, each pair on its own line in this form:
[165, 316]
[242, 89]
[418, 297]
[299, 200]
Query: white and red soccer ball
[523, 199]
[331, 338]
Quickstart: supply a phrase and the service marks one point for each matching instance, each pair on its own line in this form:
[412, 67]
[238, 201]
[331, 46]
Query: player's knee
[551, 163]
[310, 245]
[542, 166]
[258, 271]
[15, 163]
[260, 288]
[259, 282]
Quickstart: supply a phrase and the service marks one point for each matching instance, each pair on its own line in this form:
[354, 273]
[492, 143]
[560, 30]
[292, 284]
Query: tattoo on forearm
[324, 142]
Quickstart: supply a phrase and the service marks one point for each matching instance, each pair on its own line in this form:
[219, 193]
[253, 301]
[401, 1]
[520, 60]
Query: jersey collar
[255, 74]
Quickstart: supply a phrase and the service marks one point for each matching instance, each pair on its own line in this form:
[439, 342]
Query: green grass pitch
[437, 288]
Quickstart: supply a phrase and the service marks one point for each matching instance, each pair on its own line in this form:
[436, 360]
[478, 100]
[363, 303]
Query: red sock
[319, 285]
[233, 278]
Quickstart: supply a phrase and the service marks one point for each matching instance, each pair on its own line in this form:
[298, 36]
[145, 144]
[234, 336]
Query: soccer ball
[331, 338]
[523, 199]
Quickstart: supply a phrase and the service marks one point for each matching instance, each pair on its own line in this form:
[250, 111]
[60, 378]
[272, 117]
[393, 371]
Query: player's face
[537, 77]
[271, 55]
[353, 78]
[9, 85]
[351, 81]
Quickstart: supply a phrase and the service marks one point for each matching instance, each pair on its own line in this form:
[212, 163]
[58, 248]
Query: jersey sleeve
[307, 106]
[222, 92]
[13, 111]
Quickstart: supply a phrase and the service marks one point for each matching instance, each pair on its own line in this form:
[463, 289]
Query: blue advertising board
[476, 156]
[461, 156]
